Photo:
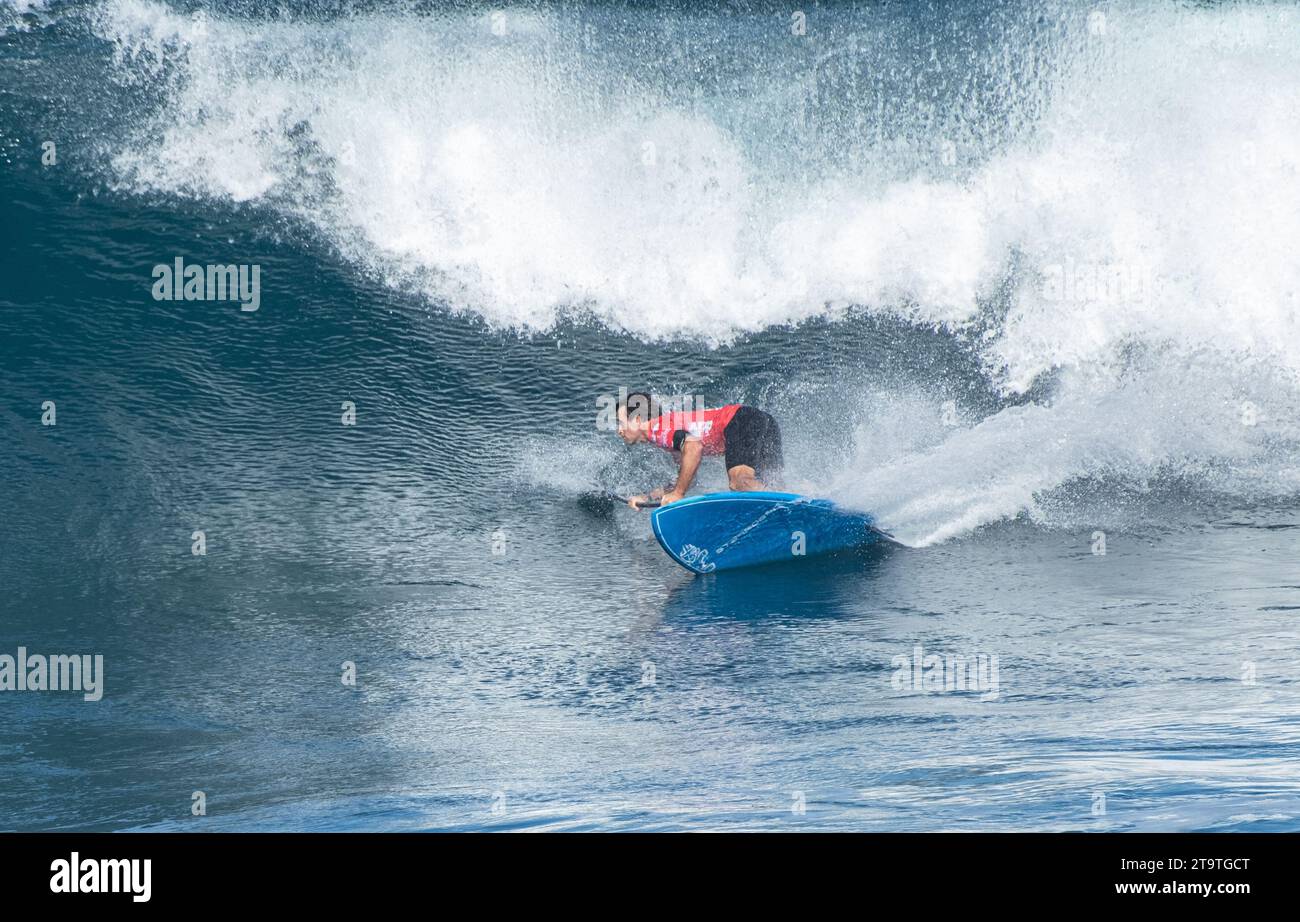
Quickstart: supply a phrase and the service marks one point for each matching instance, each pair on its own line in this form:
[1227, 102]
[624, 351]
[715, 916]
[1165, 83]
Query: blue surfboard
[722, 531]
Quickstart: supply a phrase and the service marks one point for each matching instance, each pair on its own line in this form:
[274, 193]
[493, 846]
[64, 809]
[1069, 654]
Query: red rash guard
[671, 429]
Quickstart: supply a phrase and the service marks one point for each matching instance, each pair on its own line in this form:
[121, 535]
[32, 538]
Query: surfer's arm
[692, 450]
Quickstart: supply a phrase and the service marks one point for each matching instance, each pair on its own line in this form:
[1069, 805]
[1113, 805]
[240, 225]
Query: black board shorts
[754, 439]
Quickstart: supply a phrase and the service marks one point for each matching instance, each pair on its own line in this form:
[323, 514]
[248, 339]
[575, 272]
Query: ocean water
[1017, 278]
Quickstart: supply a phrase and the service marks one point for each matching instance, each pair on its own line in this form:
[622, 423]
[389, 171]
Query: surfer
[748, 439]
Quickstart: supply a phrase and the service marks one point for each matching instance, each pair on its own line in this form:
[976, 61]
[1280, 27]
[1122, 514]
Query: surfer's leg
[771, 460]
[753, 449]
[742, 477]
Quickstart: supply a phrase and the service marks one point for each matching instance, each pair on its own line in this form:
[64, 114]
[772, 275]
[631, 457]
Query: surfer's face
[631, 429]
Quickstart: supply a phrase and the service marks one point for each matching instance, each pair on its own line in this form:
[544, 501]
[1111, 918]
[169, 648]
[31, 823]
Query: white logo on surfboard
[696, 558]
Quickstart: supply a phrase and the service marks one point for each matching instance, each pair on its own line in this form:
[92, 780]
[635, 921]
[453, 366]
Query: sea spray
[953, 173]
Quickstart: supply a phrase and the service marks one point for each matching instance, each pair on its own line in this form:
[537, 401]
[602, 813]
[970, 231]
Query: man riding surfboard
[748, 439]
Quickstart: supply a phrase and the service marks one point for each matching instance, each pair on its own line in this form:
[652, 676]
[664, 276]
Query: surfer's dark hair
[638, 403]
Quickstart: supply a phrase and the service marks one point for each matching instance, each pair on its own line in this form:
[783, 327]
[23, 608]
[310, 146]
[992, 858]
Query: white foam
[518, 178]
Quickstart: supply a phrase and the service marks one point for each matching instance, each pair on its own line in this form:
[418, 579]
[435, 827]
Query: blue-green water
[887, 230]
